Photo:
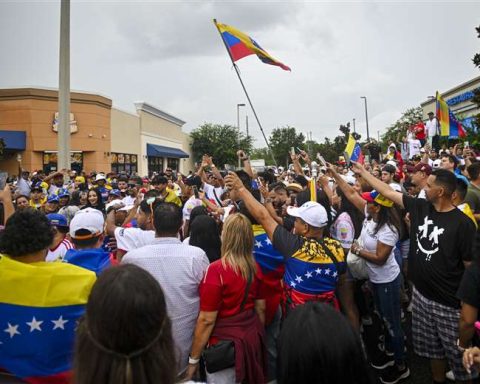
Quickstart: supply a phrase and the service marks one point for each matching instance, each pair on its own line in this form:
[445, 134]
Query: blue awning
[161, 151]
[14, 140]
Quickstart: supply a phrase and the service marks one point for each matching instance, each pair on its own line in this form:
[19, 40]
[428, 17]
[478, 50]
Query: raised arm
[378, 185]
[247, 167]
[296, 164]
[256, 209]
[347, 189]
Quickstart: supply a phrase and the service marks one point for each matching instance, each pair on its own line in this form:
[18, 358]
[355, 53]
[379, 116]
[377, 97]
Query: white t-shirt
[343, 230]
[422, 194]
[431, 127]
[396, 187]
[129, 239]
[213, 194]
[191, 203]
[389, 271]
[59, 252]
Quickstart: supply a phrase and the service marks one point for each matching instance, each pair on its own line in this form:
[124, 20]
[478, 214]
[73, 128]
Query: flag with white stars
[40, 305]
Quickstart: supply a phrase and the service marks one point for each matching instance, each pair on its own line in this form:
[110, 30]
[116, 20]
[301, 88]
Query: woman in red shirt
[232, 308]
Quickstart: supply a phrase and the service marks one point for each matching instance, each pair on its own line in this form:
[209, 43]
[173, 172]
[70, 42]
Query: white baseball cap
[311, 212]
[436, 163]
[88, 219]
[100, 176]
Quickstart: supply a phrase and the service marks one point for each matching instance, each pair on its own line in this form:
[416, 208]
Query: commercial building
[459, 99]
[102, 138]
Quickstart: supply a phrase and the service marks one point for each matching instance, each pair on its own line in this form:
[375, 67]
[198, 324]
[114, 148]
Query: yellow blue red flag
[449, 125]
[241, 45]
[40, 304]
[353, 150]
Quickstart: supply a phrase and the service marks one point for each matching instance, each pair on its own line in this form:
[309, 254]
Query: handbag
[222, 355]
[357, 266]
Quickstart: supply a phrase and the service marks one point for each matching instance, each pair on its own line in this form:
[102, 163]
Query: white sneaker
[450, 376]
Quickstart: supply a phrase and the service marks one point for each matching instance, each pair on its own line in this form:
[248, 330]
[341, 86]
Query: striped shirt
[58, 253]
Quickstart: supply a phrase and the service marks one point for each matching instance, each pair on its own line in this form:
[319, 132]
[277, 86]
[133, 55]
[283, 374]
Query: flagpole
[245, 90]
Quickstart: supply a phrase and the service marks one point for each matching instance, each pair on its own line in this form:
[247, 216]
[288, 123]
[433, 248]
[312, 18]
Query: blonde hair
[237, 245]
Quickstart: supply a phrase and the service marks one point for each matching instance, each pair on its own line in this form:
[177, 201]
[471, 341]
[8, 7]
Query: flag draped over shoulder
[240, 45]
[449, 125]
[40, 304]
[353, 150]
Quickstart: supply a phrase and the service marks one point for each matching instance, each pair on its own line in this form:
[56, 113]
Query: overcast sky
[169, 54]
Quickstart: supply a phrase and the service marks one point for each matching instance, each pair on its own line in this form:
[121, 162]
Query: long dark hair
[125, 336]
[100, 204]
[355, 215]
[318, 345]
[391, 217]
[205, 235]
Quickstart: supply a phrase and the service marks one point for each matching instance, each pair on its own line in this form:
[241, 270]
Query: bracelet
[268, 200]
[459, 347]
[193, 361]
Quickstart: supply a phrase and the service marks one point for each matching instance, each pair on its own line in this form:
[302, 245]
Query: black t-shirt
[439, 244]
[469, 291]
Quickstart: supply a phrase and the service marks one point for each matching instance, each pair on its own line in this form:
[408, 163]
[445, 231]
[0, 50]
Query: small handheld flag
[449, 125]
[353, 150]
[240, 45]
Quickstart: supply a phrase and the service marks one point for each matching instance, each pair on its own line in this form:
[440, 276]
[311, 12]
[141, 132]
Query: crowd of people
[290, 275]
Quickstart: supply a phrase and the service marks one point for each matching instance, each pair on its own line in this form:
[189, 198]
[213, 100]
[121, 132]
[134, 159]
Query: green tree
[397, 130]
[220, 142]
[282, 140]
[262, 153]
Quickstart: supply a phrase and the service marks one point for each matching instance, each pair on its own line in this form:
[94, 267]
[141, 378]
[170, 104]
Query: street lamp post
[63, 159]
[366, 116]
[354, 131]
[238, 127]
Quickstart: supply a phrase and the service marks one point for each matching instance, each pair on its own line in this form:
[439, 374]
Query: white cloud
[168, 53]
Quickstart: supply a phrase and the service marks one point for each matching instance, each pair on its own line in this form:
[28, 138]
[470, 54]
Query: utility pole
[246, 124]
[64, 88]
[354, 131]
[366, 116]
[238, 127]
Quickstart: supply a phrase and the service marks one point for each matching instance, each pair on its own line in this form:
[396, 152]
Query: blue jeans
[387, 301]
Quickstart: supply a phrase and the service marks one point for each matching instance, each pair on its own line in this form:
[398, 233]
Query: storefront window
[50, 161]
[123, 162]
[155, 164]
[172, 163]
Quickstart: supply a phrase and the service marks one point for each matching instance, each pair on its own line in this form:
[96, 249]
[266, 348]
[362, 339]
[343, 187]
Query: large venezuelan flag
[240, 45]
[272, 264]
[353, 150]
[40, 304]
[449, 125]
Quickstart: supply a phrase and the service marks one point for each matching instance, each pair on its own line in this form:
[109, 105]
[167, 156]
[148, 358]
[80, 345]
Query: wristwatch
[193, 361]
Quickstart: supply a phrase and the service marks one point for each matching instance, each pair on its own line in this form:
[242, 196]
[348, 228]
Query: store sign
[462, 97]
[73, 123]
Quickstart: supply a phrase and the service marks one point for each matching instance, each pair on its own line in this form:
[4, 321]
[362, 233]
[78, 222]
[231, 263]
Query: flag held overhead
[449, 125]
[353, 150]
[240, 45]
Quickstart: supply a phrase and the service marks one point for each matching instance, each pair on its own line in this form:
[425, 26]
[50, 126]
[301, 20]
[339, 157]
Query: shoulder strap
[331, 256]
[247, 288]
[216, 197]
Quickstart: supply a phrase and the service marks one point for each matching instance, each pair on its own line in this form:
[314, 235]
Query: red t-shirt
[223, 290]
[420, 131]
